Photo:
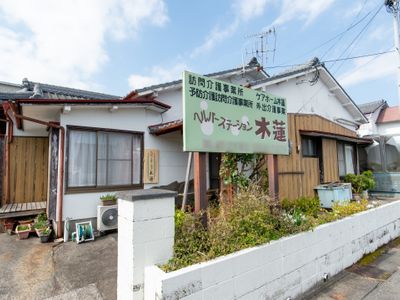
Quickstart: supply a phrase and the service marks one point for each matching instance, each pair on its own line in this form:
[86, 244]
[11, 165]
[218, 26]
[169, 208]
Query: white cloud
[216, 36]
[63, 42]
[249, 9]
[305, 10]
[363, 71]
[157, 75]
[244, 11]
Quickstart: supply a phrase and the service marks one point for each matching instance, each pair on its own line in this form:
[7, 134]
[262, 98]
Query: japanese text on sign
[225, 117]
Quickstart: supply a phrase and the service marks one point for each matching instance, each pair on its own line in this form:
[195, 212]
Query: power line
[336, 59]
[353, 23]
[356, 38]
[341, 34]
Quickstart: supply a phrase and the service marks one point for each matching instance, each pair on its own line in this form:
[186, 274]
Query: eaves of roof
[370, 107]
[314, 65]
[30, 89]
[137, 101]
[157, 87]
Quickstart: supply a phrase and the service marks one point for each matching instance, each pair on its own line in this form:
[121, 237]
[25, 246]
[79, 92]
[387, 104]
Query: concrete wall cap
[146, 194]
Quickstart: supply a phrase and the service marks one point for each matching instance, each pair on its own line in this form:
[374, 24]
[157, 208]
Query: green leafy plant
[242, 170]
[40, 224]
[348, 208]
[41, 218]
[22, 227]
[359, 183]
[308, 205]
[246, 222]
[109, 197]
[46, 231]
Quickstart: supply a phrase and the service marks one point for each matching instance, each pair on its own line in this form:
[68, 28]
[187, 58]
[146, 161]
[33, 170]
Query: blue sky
[115, 46]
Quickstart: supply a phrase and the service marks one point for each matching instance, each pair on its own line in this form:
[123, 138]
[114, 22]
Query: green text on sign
[222, 117]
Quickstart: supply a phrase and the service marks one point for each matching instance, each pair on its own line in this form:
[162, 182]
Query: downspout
[9, 139]
[7, 106]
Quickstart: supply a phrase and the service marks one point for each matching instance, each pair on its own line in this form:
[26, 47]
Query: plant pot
[9, 227]
[23, 234]
[39, 231]
[364, 195]
[44, 238]
[25, 222]
[109, 202]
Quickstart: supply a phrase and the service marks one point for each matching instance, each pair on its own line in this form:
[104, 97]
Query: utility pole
[392, 6]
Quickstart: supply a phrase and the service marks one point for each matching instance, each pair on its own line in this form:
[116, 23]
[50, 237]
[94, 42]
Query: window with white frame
[103, 159]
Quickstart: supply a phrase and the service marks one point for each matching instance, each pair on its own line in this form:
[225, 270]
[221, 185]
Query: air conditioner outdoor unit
[107, 217]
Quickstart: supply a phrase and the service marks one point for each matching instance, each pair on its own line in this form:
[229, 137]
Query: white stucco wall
[301, 97]
[172, 160]
[391, 128]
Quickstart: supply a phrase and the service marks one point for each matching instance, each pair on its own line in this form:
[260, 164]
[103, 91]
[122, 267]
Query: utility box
[333, 192]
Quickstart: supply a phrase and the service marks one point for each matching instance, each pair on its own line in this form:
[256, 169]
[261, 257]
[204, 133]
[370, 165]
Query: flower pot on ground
[360, 184]
[25, 222]
[40, 225]
[109, 199]
[44, 235]
[9, 227]
[23, 231]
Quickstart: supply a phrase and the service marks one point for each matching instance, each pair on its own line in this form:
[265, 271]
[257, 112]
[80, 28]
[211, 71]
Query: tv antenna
[258, 45]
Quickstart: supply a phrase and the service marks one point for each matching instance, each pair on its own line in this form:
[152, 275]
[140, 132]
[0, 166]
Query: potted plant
[44, 235]
[360, 184]
[39, 227]
[9, 226]
[109, 199]
[23, 231]
[25, 221]
[40, 224]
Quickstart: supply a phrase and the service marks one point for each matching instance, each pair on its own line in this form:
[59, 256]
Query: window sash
[345, 153]
[115, 162]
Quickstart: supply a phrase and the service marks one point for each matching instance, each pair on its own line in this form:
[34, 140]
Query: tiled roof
[389, 114]
[312, 64]
[251, 65]
[166, 127]
[30, 89]
[370, 107]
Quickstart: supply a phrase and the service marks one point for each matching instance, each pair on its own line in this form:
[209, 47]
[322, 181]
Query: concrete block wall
[146, 233]
[284, 268]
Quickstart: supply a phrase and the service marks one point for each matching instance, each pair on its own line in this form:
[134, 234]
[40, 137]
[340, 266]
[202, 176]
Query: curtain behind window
[348, 149]
[82, 159]
[119, 159]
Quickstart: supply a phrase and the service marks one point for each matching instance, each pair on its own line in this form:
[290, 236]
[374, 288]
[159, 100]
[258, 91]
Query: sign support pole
[273, 176]
[187, 179]
[200, 185]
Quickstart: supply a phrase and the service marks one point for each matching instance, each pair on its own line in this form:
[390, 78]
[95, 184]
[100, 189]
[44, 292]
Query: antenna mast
[259, 49]
[392, 6]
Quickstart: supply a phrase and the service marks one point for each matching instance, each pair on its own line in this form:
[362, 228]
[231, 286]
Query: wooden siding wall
[298, 175]
[329, 157]
[28, 169]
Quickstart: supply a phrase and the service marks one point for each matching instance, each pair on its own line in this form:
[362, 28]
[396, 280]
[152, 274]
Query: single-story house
[322, 124]
[99, 143]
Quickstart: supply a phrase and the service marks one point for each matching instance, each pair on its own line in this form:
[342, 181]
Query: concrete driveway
[31, 270]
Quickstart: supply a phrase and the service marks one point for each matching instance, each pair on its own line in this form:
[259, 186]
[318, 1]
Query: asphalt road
[31, 270]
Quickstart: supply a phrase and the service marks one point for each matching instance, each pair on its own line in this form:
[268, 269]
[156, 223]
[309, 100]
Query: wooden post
[200, 185]
[273, 177]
